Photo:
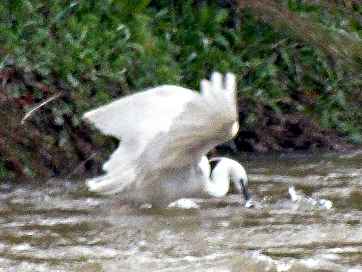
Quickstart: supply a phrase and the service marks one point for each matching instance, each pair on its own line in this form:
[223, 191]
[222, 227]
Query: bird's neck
[218, 183]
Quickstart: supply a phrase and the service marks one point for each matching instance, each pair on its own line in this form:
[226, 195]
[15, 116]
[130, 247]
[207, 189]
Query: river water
[59, 226]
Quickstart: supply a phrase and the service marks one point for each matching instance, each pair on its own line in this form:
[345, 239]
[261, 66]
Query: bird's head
[237, 174]
[240, 180]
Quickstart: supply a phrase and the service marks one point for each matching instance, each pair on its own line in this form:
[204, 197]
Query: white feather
[164, 135]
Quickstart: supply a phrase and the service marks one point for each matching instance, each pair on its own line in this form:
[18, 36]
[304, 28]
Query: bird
[165, 133]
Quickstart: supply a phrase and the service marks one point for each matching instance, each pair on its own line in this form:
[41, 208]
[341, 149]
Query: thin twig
[28, 114]
[81, 164]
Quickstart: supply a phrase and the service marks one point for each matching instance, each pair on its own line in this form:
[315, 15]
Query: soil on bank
[55, 142]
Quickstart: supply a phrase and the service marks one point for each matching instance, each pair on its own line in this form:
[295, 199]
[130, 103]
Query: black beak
[245, 191]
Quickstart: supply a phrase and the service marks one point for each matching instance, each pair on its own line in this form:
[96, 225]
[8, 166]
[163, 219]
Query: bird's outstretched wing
[136, 119]
[164, 128]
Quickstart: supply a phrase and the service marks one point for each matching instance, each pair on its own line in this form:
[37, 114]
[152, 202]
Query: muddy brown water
[58, 226]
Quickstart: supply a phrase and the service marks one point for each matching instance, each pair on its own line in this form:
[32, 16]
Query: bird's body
[187, 182]
[165, 133]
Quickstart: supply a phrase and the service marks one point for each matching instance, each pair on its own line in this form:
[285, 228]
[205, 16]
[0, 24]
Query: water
[58, 226]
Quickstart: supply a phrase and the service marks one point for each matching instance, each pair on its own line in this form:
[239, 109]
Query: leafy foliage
[291, 56]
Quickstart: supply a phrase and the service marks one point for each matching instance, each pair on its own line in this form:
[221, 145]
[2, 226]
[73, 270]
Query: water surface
[58, 226]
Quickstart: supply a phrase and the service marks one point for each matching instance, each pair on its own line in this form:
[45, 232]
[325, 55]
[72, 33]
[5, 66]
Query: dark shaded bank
[49, 143]
[283, 132]
[52, 143]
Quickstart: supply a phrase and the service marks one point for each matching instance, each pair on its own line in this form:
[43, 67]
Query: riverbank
[53, 141]
[297, 63]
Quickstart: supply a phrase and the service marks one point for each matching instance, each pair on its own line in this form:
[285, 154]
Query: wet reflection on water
[60, 227]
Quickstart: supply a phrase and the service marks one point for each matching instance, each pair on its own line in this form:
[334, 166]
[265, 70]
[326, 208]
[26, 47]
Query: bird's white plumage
[227, 169]
[164, 135]
[138, 118]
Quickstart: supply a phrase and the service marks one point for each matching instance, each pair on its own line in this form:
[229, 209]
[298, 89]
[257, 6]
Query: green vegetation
[2, 171]
[293, 56]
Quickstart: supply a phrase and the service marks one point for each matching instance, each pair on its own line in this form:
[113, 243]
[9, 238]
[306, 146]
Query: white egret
[165, 133]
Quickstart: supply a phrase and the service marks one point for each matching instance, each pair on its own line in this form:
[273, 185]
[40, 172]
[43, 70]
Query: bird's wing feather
[205, 122]
[163, 134]
[138, 118]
